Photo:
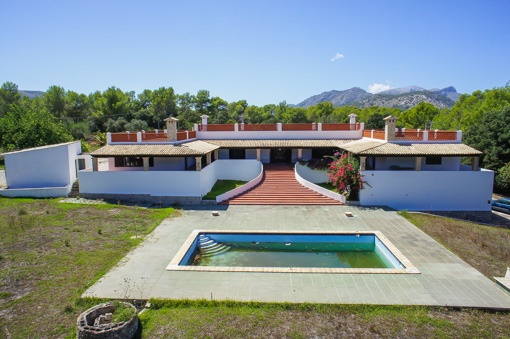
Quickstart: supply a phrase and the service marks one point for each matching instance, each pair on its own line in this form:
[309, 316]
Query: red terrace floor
[280, 187]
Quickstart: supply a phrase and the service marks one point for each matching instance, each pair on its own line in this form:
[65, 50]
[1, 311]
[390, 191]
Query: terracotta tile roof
[193, 148]
[273, 143]
[375, 148]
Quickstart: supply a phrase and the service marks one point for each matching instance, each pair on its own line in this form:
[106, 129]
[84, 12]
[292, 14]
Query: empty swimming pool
[356, 252]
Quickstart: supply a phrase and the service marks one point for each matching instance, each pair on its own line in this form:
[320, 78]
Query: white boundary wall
[236, 191]
[167, 183]
[309, 177]
[428, 190]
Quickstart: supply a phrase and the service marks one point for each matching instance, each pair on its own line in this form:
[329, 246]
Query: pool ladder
[209, 247]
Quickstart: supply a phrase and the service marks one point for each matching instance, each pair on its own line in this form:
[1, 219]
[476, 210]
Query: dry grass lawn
[51, 252]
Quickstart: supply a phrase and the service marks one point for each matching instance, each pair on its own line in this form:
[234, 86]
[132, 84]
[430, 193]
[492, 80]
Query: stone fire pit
[96, 322]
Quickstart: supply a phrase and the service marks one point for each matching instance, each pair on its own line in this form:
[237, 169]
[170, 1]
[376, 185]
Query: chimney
[204, 119]
[171, 128]
[390, 123]
[352, 118]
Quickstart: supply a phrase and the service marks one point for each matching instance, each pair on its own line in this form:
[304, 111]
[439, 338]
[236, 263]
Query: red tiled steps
[280, 187]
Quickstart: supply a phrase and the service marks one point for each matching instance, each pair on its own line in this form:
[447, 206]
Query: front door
[279, 155]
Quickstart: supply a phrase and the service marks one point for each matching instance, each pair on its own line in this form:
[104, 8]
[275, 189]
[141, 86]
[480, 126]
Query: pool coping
[409, 267]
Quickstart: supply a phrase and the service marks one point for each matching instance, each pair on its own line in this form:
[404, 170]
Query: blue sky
[261, 51]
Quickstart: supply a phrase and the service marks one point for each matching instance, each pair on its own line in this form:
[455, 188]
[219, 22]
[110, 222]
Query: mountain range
[31, 94]
[403, 98]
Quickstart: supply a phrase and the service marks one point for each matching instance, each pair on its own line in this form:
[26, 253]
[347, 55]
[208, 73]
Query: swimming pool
[256, 251]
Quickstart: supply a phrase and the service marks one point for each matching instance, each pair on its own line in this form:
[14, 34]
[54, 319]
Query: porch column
[258, 154]
[145, 163]
[476, 163]
[208, 158]
[362, 163]
[417, 166]
[95, 162]
[300, 153]
[198, 163]
[216, 154]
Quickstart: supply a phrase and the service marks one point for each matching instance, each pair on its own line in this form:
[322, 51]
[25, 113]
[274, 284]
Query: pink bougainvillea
[344, 175]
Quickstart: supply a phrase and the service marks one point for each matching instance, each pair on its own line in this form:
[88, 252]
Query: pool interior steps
[209, 247]
[280, 187]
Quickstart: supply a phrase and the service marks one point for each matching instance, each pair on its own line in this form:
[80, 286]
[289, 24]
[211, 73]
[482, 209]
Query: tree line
[61, 115]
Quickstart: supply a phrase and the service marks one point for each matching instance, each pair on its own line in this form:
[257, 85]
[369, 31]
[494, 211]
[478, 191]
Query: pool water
[289, 250]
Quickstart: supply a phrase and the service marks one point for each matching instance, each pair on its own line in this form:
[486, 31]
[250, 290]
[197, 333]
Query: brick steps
[280, 187]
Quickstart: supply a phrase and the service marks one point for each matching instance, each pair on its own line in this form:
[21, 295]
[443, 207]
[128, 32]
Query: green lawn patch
[222, 186]
[328, 186]
[214, 319]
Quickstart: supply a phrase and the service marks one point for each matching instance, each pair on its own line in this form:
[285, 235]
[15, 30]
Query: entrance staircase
[280, 187]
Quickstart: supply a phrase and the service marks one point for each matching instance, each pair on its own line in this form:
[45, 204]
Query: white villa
[404, 169]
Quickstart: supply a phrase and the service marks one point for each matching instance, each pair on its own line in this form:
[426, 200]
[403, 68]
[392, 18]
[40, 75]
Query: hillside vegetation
[59, 115]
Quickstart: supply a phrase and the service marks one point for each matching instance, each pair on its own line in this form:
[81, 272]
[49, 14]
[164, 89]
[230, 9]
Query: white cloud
[376, 88]
[337, 56]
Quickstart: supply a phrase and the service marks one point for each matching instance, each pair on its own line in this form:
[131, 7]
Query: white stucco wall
[314, 176]
[167, 183]
[307, 154]
[251, 153]
[49, 166]
[447, 163]
[429, 190]
[169, 164]
[204, 135]
[309, 178]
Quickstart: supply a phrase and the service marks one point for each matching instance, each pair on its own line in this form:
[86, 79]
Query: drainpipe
[476, 163]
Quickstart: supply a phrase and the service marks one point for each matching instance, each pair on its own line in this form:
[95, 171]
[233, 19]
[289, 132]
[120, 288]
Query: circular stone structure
[86, 329]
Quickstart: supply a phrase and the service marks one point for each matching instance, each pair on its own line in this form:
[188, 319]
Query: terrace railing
[410, 135]
[148, 137]
[278, 127]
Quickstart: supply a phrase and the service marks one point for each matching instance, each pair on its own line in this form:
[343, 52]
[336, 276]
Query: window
[132, 162]
[433, 160]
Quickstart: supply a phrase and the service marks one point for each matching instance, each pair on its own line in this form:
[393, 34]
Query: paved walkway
[445, 279]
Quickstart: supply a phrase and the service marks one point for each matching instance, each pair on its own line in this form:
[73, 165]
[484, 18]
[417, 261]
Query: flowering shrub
[344, 175]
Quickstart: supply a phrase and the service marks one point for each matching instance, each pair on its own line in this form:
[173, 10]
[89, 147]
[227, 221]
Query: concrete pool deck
[445, 280]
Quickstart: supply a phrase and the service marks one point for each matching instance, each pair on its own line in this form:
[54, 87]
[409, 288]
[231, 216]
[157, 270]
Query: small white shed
[43, 172]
